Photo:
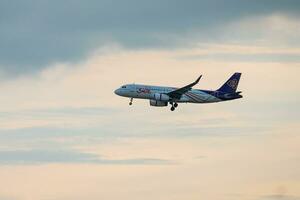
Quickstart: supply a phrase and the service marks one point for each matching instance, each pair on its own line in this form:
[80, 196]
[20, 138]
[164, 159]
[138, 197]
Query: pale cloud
[60, 95]
[275, 29]
[247, 163]
[279, 197]
[40, 156]
[271, 38]
[60, 118]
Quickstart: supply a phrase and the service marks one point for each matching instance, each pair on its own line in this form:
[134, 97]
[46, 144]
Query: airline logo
[143, 90]
[232, 83]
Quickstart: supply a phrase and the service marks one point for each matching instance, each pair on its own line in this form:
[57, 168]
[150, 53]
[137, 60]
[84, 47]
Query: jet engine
[161, 97]
[158, 103]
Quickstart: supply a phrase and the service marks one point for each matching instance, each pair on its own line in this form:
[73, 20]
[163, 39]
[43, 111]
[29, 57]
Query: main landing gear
[174, 105]
[130, 102]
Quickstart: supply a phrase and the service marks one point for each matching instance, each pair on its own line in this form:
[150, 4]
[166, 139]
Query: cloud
[91, 82]
[64, 134]
[67, 100]
[276, 30]
[37, 34]
[29, 157]
[279, 197]
[242, 57]
[53, 117]
[8, 197]
[248, 163]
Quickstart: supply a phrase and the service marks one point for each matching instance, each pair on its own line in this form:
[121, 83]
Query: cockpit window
[123, 86]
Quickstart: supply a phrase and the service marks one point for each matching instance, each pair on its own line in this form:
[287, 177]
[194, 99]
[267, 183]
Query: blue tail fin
[231, 85]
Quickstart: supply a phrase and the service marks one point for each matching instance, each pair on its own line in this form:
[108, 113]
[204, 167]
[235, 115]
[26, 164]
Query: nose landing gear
[130, 102]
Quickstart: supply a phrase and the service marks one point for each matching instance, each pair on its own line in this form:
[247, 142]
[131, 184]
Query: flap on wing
[176, 94]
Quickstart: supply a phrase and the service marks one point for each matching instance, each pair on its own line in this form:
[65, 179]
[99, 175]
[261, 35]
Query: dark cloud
[62, 156]
[36, 33]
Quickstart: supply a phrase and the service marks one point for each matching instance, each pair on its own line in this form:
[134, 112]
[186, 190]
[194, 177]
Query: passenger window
[123, 86]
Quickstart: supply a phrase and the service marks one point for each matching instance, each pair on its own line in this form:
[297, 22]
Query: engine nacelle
[161, 97]
[158, 103]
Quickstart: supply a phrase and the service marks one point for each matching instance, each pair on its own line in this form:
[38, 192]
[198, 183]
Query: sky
[64, 134]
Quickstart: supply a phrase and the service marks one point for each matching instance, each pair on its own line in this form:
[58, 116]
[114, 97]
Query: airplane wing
[176, 94]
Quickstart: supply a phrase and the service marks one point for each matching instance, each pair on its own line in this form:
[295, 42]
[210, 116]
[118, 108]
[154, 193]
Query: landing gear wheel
[172, 108]
[130, 103]
[175, 105]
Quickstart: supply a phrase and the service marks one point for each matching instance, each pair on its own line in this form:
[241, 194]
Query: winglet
[178, 92]
[198, 79]
[194, 83]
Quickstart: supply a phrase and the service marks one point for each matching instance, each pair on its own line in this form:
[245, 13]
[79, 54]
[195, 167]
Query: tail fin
[231, 84]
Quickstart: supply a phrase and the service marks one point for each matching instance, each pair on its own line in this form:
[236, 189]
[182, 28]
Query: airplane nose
[117, 91]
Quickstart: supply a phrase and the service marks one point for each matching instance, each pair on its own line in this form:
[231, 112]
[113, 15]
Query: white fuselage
[148, 92]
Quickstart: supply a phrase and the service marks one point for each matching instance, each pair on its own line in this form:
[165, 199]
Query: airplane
[162, 96]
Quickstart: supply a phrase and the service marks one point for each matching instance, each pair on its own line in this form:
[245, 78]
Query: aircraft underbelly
[143, 95]
[189, 97]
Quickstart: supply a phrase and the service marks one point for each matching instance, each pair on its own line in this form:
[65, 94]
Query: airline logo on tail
[232, 83]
